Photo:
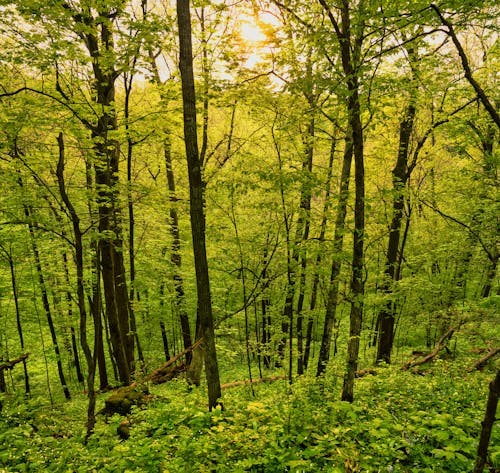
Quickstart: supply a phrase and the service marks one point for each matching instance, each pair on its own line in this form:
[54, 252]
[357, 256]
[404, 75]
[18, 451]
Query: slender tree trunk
[266, 318]
[69, 301]
[357, 283]
[306, 208]
[95, 301]
[77, 233]
[131, 216]
[13, 281]
[350, 52]
[244, 290]
[487, 424]
[296, 263]
[165, 340]
[100, 45]
[196, 192]
[175, 250]
[45, 303]
[400, 176]
[321, 240]
[491, 273]
[338, 245]
[205, 86]
[3, 385]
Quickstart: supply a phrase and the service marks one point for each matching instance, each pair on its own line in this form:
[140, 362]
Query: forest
[249, 235]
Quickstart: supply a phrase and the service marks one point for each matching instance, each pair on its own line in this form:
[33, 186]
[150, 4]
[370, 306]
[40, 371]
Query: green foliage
[400, 422]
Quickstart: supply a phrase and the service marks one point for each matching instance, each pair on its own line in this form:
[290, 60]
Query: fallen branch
[430, 356]
[164, 375]
[479, 364]
[162, 370]
[9, 364]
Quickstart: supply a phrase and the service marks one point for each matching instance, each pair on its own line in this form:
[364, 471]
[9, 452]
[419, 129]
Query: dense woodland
[249, 235]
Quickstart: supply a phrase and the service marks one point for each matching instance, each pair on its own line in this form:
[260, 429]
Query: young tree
[197, 202]
[348, 30]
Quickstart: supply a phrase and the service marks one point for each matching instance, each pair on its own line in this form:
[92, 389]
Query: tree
[197, 203]
[350, 40]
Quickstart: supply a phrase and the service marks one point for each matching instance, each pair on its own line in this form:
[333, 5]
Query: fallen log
[9, 364]
[417, 361]
[167, 374]
[480, 364]
[162, 370]
[122, 399]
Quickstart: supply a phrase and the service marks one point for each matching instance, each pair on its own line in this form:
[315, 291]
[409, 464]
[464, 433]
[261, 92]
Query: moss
[122, 400]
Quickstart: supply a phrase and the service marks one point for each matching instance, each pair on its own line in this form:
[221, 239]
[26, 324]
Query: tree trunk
[175, 250]
[321, 240]
[400, 176]
[350, 51]
[46, 305]
[69, 300]
[95, 301]
[266, 318]
[196, 193]
[491, 273]
[13, 280]
[305, 205]
[165, 340]
[357, 283]
[131, 216]
[487, 424]
[338, 245]
[98, 40]
[80, 289]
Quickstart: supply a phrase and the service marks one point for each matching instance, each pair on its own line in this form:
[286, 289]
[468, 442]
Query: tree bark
[80, 289]
[46, 306]
[350, 50]
[338, 245]
[8, 256]
[305, 205]
[467, 70]
[487, 424]
[97, 34]
[175, 250]
[321, 240]
[400, 176]
[131, 216]
[95, 300]
[196, 193]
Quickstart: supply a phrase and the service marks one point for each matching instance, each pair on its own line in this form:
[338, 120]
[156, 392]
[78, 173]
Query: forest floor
[401, 421]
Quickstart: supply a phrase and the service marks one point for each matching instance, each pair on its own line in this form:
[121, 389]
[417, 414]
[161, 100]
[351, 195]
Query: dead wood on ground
[418, 360]
[9, 364]
[481, 363]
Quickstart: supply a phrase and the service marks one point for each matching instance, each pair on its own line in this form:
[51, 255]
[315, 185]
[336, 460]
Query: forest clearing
[249, 235]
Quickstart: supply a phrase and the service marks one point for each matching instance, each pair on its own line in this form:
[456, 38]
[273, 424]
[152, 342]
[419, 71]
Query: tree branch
[468, 73]
[476, 235]
[9, 364]
[82, 120]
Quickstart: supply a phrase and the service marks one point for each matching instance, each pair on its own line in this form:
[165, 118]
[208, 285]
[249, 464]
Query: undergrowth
[399, 422]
